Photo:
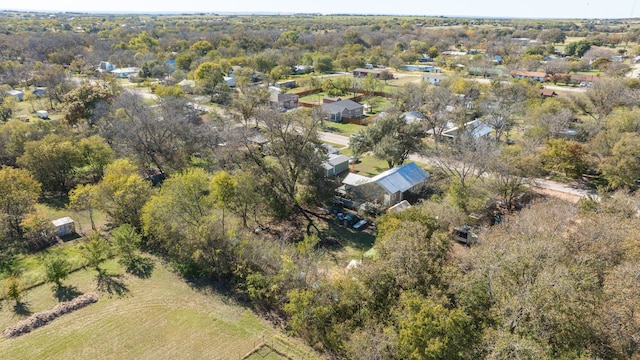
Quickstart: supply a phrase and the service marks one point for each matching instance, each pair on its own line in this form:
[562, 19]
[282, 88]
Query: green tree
[371, 85]
[323, 63]
[14, 134]
[122, 193]
[565, 156]
[622, 168]
[179, 222]
[127, 241]
[177, 210]
[143, 42]
[38, 231]
[289, 37]
[247, 200]
[429, 330]
[95, 250]
[185, 60]
[97, 154]
[81, 103]
[7, 105]
[13, 288]
[20, 191]
[223, 191]
[201, 47]
[56, 269]
[30, 98]
[83, 198]
[392, 139]
[209, 75]
[53, 161]
[154, 69]
[292, 168]
[337, 86]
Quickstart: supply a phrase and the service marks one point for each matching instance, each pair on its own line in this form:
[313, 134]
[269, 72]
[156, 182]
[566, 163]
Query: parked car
[360, 224]
[350, 219]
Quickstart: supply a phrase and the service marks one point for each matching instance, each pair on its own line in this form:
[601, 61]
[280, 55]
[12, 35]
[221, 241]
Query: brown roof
[529, 73]
[578, 77]
[548, 93]
[369, 71]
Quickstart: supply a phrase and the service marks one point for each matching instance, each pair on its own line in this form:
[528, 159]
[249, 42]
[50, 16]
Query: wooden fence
[307, 104]
[362, 121]
[308, 92]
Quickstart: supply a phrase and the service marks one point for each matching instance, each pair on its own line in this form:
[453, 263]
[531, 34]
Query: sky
[601, 9]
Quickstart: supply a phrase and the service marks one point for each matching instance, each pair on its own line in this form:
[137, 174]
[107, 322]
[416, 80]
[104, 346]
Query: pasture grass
[161, 317]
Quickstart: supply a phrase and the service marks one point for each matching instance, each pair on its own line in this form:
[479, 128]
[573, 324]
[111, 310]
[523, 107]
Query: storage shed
[335, 164]
[42, 114]
[64, 226]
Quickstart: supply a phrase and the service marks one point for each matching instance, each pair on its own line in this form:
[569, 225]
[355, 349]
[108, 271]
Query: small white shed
[64, 226]
[42, 114]
[18, 94]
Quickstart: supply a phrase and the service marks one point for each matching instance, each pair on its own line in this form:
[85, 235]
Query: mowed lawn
[161, 317]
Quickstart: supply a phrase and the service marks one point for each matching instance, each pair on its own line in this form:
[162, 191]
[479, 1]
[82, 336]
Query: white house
[433, 79]
[125, 72]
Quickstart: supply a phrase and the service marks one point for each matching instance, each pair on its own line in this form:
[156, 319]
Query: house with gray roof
[387, 188]
[283, 102]
[475, 128]
[335, 164]
[335, 111]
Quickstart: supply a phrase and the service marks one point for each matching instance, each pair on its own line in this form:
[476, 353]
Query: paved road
[334, 138]
[344, 141]
[546, 86]
[565, 88]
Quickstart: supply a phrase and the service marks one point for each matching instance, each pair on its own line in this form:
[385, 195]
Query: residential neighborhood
[269, 183]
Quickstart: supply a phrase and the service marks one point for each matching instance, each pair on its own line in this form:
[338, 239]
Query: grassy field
[160, 317]
[368, 165]
[345, 129]
[352, 244]
[25, 109]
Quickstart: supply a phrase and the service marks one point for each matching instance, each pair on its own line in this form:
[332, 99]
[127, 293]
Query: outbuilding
[42, 114]
[335, 164]
[64, 226]
[18, 94]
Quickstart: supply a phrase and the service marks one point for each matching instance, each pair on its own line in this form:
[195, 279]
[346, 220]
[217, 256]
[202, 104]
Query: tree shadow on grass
[22, 308]
[8, 262]
[112, 284]
[66, 293]
[140, 266]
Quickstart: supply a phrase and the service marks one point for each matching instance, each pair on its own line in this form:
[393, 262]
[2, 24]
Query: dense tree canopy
[20, 191]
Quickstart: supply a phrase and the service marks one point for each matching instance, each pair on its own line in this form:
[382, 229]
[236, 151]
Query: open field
[27, 109]
[161, 317]
[344, 129]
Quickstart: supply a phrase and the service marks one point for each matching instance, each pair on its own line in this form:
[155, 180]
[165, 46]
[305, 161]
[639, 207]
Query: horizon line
[281, 13]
